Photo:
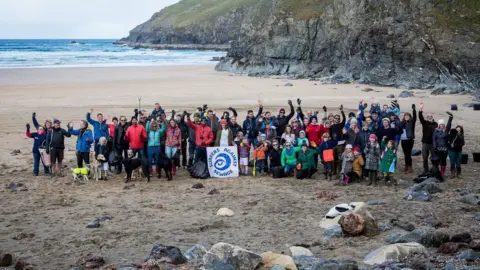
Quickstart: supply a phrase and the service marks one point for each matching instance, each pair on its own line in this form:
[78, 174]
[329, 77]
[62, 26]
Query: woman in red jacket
[314, 134]
[203, 137]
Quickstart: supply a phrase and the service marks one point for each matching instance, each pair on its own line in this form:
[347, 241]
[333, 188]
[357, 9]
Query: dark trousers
[407, 146]
[260, 165]
[200, 154]
[302, 174]
[121, 150]
[36, 163]
[191, 152]
[328, 167]
[427, 150]
[184, 152]
[440, 158]
[83, 157]
[353, 176]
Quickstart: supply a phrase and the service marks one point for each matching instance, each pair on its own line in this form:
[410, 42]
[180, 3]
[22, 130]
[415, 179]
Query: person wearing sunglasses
[289, 158]
[120, 144]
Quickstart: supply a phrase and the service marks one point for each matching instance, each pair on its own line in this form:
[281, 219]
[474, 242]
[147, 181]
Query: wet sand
[270, 214]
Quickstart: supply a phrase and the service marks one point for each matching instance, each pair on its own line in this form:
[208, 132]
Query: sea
[51, 53]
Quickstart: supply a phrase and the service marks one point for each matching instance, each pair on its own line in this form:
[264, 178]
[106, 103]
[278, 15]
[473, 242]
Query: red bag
[328, 155]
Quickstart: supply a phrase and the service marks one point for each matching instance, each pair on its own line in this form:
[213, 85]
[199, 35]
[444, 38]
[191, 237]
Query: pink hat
[356, 149]
[373, 136]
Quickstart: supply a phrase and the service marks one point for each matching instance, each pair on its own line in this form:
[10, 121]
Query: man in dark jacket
[157, 111]
[250, 126]
[191, 138]
[234, 126]
[282, 120]
[120, 145]
[55, 146]
[428, 127]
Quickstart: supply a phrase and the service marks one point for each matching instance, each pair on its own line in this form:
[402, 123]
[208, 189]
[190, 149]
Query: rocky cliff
[404, 43]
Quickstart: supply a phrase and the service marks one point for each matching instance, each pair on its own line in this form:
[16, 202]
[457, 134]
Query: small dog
[80, 172]
[94, 165]
[131, 164]
[166, 164]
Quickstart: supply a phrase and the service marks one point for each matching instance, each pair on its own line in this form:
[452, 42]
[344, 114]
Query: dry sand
[269, 214]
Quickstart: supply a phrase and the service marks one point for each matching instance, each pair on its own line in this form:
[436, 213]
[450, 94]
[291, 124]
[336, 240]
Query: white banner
[222, 162]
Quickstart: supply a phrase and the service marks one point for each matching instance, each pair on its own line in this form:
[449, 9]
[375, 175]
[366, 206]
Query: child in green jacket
[389, 158]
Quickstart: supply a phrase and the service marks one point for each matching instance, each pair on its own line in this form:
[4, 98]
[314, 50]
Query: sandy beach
[270, 214]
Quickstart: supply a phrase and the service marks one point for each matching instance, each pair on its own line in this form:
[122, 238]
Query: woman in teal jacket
[84, 143]
[289, 157]
[154, 135]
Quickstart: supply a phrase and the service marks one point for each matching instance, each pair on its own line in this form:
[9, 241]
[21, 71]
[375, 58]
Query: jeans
[153, 155]
[83, 157]
[427, 150]
[121, 150]
[328, 167]
[407, 146]
[455, 159]
[200, 153]
[170, 151]
[289, 168]
[140, 152]
[36, 164]
[260, 165]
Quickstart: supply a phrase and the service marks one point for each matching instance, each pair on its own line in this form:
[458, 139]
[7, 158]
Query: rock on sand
[225, 212]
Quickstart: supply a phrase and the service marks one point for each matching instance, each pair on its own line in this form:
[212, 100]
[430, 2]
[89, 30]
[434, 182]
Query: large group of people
[355, 147]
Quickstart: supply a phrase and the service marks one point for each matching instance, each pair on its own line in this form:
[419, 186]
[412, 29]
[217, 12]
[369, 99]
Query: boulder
[406, 94]
[431, 185]
[336, 265]
[361, 222]
[391, 96]
[426, 236]
[464, 237]
[336, 212]
[367, 90]
[277, 267]
[306, 262]
[419, 196]
[288, 84]
[393, 253]
[407, 226]
[91, 261]
[128, 267]
[473, 199]
[352, 224]
[198, 186]
[438, 91]
[165, 254]
[213, 192]
[451, 247]
[227, 254]
[468, 255]
[334, 231]
[270, 259]
[195, 252]
[5, 259]
[475, 244]
[300, 251]
[225, 212]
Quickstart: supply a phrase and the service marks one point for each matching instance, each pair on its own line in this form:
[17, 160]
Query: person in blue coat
[100, 127]
[84, 143]
[38, 138]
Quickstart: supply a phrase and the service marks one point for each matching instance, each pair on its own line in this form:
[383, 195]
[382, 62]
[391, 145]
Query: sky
[78, 19]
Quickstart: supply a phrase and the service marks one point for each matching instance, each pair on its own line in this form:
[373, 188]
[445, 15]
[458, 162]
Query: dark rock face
[382, 42]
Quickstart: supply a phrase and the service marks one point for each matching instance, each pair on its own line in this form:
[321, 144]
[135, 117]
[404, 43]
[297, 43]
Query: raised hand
[260, 103]
[299, 101]
[230, 108]
[325, 108]
[34, 115]
[450, 114]
[290, 102]
[421, 105]
[135, 111]
[91, 110]
[28, 126]
[341, 108]
[413, 106]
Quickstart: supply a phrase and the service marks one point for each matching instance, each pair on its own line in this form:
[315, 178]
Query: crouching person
[39, 138]
[306, 162]
[101, 154]
[84, 142]
[289, 158]
[358, 163]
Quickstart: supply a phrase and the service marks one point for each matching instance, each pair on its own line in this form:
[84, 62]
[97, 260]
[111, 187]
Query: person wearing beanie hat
[301, 138]
[358, 163]
[224, 135]
[259, 157]
[306, 165]
[55, 146]
[289, 158]
[347, 163]
[326, 154]
[372, 159]
[440, 143]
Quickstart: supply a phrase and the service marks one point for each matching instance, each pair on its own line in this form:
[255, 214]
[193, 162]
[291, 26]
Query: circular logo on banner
[222, 162]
